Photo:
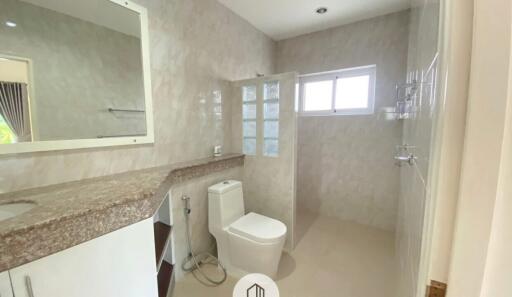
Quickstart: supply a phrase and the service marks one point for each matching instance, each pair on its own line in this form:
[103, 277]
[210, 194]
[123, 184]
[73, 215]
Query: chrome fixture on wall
[405, 94]
[120, 135]
[405, 154]
[110, 109]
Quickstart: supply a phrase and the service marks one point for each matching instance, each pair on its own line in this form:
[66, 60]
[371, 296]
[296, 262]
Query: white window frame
[370, 70]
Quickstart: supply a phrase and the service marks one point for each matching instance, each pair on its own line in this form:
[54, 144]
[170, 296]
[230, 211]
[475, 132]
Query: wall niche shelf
[164, 251]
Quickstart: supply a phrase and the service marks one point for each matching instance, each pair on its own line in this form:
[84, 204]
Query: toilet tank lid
[224, 187]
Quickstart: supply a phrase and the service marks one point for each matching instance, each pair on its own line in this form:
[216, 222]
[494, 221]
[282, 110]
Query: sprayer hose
[196, 264]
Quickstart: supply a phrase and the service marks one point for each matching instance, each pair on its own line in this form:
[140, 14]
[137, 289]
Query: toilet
[246, 243]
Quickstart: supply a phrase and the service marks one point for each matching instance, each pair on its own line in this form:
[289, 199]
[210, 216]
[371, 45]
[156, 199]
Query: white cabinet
[118, 264]
[5, 285]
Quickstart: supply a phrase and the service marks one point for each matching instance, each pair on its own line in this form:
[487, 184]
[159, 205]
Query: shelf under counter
[162, 234]
[164, 278]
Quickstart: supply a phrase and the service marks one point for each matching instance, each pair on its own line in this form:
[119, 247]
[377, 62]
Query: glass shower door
[423, 61]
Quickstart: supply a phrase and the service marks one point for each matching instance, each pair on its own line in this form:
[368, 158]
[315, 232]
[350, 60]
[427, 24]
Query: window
[261, 114]
[249, 107]
[344, 92]
[6, 134]
[271, 119]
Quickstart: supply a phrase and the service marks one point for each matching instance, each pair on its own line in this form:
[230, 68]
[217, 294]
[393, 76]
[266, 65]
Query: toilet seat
[258, 228]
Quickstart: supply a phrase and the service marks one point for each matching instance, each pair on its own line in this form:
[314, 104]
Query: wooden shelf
[162, 236]
[164, 278]
[162, 229]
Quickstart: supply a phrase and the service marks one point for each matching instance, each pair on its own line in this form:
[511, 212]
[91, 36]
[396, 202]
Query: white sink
[10, 210]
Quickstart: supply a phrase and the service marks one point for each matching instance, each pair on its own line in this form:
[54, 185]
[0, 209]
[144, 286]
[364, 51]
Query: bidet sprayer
[186, 200]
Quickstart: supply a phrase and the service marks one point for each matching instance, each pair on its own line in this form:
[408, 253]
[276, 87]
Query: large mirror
[73, 74]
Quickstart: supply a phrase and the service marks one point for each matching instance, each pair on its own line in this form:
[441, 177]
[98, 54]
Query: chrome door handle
[28, 284]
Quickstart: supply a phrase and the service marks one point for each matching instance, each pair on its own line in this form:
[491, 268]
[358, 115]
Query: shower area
[349, 127]
[366, 106]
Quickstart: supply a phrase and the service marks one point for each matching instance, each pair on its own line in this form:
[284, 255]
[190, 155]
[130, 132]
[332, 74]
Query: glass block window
[249, 114]
[271, 119]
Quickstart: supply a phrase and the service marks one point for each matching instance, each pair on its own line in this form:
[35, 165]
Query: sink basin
[10, 210]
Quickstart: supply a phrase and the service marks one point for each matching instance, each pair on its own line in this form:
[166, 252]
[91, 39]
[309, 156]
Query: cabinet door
[121, 263]
[5, 285]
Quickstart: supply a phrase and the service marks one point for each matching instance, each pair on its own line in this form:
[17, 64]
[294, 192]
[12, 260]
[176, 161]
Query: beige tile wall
[345, 163]
[196, 47]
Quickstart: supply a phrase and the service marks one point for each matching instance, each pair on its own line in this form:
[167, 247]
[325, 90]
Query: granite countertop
[74, 212]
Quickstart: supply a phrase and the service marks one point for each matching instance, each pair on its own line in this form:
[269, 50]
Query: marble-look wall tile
[269, 182]
[197, 190]
[345, 163]
[196, 47]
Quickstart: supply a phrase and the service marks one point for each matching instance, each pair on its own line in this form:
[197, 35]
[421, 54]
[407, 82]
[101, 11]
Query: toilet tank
[225, 204]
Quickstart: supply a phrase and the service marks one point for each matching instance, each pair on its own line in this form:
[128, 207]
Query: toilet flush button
[226, 182]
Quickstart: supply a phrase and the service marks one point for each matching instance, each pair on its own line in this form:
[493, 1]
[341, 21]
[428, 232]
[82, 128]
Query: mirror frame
[57, 145]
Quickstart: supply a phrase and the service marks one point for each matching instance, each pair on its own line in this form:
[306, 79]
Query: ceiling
[99, 12]
[281, 19]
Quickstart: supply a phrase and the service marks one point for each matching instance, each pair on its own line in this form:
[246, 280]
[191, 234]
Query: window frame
[370, 70]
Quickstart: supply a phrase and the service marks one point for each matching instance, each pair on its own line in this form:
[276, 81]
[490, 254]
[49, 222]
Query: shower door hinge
[436, 289]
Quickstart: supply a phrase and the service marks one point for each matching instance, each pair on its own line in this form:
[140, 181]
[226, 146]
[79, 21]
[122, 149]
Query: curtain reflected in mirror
[14, 112]
[15, 122]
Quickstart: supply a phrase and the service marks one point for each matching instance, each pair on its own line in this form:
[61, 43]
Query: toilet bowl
[246, 243]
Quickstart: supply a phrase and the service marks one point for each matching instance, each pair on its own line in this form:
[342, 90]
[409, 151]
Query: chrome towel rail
[121, 135]
[110, 109]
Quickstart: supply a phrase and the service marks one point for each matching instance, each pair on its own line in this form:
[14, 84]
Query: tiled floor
[333, 258]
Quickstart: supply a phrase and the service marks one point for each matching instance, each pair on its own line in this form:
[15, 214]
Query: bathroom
[213, 147]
